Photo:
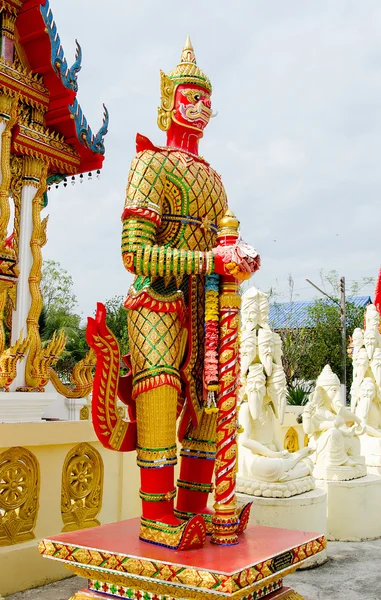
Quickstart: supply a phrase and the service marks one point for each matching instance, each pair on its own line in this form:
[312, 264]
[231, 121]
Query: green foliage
[324, 324]
[57, 288]
[117, 321]
[58, 313]
[308, 349]
[297, 395]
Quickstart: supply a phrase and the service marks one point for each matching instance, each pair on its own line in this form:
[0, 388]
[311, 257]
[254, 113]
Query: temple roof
[38, 42]
[295, 315]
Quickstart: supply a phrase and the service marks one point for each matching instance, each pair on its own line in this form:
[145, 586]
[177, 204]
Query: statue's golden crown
[186, 71]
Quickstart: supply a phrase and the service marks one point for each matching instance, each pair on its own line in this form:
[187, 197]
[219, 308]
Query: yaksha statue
[175, 206]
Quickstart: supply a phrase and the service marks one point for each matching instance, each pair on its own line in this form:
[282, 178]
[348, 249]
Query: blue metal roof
[294, 315]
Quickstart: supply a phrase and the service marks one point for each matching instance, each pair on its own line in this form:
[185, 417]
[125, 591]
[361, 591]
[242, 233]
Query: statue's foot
[186, 536]
[243, 516]
[206, 513]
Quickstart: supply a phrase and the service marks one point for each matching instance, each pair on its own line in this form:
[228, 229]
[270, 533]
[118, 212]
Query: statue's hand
[360, 429]
[339, 421]
[239, 260]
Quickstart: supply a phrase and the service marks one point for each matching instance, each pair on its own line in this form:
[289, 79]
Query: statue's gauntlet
[143, 257]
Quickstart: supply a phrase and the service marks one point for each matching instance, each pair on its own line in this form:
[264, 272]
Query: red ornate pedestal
[118, 565]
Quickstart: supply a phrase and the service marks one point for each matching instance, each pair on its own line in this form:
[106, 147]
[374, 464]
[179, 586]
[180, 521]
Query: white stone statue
[278, 352]
[266, 349]
[333, 432]
[263, 468]
[248, 350]
[376, 366]
[360, 369]
[368, 409]
[276, 390]
[255, 308]
[357, 340]
[366, 388]
[372, 317]
[371, 342]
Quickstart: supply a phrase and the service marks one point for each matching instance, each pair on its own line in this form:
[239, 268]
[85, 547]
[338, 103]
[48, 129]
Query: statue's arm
[372, 431]
[363, 415]
[142, 218]
[258, 448]
[313, 424]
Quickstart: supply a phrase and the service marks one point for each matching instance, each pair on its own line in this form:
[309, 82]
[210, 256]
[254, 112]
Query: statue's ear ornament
[165, 109]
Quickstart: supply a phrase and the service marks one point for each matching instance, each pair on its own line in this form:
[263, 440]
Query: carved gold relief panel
[291, 440]
[82, 488]
[19, 495]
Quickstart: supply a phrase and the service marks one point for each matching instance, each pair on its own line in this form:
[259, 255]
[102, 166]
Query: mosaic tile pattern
[121, 591]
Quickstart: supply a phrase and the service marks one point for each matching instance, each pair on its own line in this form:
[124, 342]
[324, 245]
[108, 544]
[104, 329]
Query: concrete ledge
[305, 512]
[353, 508]
[46, 433]
[22, 567]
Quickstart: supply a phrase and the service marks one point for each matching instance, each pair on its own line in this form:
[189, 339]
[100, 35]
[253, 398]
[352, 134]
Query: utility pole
[343, 335]
[343, 331]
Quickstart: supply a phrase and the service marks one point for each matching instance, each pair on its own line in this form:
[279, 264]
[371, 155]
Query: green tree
[307, 349]
[59, 313]
[117, 321]
[57, 288]
[325, 331]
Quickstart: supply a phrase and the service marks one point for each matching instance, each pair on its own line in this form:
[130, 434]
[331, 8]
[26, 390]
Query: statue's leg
[197, 465]
[156, 452]
[155, 340]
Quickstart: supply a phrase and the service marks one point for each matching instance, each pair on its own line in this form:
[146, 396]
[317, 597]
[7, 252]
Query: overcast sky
[297, 86]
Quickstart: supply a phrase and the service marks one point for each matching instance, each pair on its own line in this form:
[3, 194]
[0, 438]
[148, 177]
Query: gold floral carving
[17, 165]
[165, 109]
[39, 359]
[84, 413]
[44, 358]
[306, 439]
[82, 488]
[82, 378]
[36, 141]
[29, 87]
[9, 359]
[5, 106]
[6, 173]
[7, 290]
[19, 493]
[291, 440]
[8, 25]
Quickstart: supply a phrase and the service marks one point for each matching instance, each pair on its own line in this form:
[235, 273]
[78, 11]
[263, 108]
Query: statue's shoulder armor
[148, 157]
[144, 143]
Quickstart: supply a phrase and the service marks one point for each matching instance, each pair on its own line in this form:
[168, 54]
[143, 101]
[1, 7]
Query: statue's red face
[193, 107]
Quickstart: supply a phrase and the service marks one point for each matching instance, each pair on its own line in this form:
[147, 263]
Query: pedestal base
[266, 489]
[374, 471]
[24, 407]
[282, 593]
[303, 512]
[339, 473]
[353, 508]
[118, 564]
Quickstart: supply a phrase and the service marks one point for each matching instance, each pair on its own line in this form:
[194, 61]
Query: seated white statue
[368, 410]
[333, 431]
[263, 469]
